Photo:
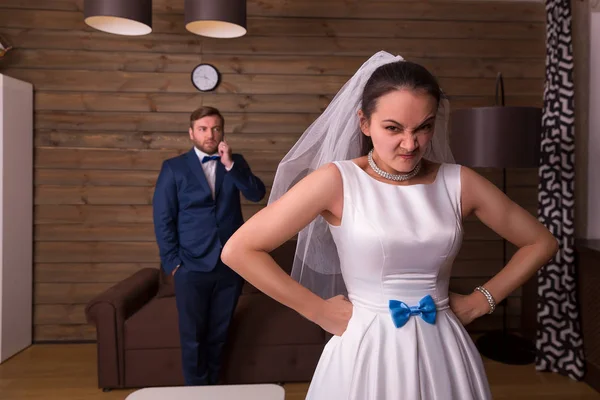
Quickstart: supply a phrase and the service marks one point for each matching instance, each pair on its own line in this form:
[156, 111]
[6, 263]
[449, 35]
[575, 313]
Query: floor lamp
[499, 137]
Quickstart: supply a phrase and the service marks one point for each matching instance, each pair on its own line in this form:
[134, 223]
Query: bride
[377, 201]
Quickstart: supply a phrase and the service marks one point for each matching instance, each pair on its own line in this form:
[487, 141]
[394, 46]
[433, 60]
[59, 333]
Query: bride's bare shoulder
[328, 175]
[361, 162]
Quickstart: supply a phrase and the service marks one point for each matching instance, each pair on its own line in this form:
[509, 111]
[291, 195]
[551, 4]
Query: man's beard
[206, 149]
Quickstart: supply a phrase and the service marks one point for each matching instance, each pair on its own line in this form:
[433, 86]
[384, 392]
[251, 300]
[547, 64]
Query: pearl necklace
[392, 177]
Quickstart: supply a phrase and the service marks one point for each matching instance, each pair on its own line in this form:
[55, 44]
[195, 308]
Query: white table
[217, 392]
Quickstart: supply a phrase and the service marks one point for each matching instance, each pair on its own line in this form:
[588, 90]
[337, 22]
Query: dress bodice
[398, 242]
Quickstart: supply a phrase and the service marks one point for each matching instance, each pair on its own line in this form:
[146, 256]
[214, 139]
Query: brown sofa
[138, 338]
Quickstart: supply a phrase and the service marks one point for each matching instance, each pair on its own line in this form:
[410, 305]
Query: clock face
[205, 77]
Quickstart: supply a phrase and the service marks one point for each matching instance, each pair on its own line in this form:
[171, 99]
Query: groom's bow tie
[210, 158]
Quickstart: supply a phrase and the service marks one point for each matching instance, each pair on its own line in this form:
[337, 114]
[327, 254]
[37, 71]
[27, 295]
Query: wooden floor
[68, 372]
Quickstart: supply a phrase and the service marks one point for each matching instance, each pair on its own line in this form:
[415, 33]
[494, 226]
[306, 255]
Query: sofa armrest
[108, 311]
[127, 296]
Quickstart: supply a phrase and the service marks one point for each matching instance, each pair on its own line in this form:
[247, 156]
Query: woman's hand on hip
[468, 307]
[334, 315]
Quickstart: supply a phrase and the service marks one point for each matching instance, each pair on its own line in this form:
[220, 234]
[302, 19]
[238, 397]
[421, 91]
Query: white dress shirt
[210, 169]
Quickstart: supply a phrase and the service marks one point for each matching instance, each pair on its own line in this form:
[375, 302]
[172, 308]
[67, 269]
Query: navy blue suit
[191, 229]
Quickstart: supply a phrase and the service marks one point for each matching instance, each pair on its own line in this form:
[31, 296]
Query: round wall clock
[205, 77]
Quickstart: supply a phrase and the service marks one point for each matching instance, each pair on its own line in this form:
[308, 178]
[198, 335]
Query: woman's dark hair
[395, 76]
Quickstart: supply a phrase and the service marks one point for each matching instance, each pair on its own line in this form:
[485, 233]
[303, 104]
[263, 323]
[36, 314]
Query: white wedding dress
[398, 243]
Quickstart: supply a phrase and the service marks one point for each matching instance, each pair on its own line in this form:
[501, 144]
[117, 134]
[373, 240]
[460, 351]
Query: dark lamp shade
[496, 137]
[216, 18]
[121, 17]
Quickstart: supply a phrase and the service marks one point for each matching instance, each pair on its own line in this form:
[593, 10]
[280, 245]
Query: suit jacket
[191, 228]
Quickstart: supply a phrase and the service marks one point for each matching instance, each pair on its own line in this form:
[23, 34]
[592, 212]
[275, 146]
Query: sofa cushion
[249, 289]
[155, 325]
[153, 367]
[260, 321]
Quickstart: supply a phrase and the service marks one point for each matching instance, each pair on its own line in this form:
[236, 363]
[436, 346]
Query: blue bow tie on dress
[210, 158]
[401, 312]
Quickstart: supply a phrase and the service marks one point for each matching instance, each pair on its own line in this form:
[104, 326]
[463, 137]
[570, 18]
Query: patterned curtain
[559, 342]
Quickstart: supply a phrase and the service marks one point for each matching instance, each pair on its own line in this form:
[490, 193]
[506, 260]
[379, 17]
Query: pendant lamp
[216, 18]
[121, 17]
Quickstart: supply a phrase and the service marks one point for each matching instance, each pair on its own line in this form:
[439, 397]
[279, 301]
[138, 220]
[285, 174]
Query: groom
[196, 209]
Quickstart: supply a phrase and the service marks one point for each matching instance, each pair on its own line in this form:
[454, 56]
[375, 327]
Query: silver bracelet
[489, 298]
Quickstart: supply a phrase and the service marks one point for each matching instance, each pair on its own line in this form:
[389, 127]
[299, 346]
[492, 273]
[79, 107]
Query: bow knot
[210, 158]
[401, 312]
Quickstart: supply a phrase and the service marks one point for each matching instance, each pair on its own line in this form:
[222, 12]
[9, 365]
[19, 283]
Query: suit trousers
[206, 302]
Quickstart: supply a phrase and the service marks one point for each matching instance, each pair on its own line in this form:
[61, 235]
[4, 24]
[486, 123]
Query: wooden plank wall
[110, 109]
